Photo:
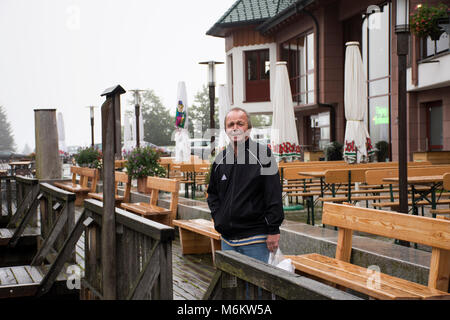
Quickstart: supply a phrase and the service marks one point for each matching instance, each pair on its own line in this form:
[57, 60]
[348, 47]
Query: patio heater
[137, 111]
[402, 33]
[212, 97]
[92, 123]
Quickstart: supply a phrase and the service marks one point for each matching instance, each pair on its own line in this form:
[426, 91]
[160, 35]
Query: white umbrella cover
[358, 146]
[224, 107]
[182, 144]
[61, 133]
[283, 138]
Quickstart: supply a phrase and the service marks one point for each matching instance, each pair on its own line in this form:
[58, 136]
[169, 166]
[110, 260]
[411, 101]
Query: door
[434, 127]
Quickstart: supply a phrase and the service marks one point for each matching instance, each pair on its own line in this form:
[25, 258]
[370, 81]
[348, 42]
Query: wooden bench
[428, 231]
[119, 177]
[151, 210]
[193, 175]
[377, 176]
[198, 236]
[87, 182]
[446, 185]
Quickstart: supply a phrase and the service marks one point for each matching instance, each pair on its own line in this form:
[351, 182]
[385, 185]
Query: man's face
[237, 126]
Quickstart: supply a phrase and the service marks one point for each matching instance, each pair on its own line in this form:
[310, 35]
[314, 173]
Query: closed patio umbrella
[128, 142]
[182, 144]
[358, 147]
[224, 107]
[283, 136]
[284, 139]
[61, 133]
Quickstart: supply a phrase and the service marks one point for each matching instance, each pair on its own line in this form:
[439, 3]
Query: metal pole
[402, 51]
[137, 112]
[92, 132]
[212, 125]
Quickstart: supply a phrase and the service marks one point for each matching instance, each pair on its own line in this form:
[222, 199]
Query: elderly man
[244, 192]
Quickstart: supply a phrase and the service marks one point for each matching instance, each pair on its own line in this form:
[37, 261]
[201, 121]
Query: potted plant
[143, 162]
[424, 21]
[334, 151]
[89, 157]
[382, 150]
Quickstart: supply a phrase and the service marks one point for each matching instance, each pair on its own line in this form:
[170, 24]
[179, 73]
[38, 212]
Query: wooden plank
[7, 277]
[358, 278]
[34, 274]
[148, 276]
[64, 254]
[21, 275]
[201, 226]
[51, 238]
[344, 244]
[23, 223]
[193, 243]
[164, 184]
[424, 230]
[439, 276]
[284, 284]
[24, 206]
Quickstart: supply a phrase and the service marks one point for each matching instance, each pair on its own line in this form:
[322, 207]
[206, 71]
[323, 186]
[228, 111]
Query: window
[299, 55]
[257, 66]
[432, 47]
[231, 81]
[375, 54]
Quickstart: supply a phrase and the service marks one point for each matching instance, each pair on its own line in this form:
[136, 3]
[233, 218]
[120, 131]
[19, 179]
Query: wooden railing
[26, 191]
[7, 198]
[239, 277]
[57, 217]
[143, 256]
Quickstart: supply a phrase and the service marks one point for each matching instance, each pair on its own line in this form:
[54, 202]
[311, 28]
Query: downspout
[329, 106]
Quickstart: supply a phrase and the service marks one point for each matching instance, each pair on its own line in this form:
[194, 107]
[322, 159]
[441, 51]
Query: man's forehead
[236, 115]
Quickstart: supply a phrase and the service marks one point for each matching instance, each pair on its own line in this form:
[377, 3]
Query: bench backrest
[308, 163]
[122, 177]
[424, 230]
[291, 172]
[377, 176]
[342, 175]
[85, 175]
[155, 184]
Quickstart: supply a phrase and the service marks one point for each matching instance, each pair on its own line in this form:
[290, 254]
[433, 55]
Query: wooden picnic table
[434, 182]
[315, 174]
[23, 167]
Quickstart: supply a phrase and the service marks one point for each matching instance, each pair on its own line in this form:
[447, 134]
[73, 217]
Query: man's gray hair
[249, 121]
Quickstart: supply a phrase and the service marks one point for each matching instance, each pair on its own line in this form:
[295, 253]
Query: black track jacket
[244, 192]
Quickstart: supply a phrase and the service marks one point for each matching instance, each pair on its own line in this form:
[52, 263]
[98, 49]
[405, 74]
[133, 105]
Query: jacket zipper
[232, 195]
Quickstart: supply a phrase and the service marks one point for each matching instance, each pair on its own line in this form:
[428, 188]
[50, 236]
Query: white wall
[239, 77]
[431, 75]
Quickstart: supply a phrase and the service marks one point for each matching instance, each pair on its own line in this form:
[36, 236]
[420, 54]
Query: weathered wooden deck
[191, 273]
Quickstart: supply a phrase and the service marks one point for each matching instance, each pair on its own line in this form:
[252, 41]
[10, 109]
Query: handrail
[143, 256]
[242, 277]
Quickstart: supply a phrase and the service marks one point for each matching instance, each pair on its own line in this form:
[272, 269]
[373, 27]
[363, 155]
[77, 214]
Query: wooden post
[48, 163]
[111, 149]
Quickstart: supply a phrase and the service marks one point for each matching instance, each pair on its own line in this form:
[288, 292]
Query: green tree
[259, 120]
[6, 136]
[158, 123]
[199, 111]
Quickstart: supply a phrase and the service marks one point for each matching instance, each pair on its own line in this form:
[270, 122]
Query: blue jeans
[258, 251]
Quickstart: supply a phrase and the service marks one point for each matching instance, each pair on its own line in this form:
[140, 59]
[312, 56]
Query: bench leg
[193, 243]
[215, 245]
[79, 200]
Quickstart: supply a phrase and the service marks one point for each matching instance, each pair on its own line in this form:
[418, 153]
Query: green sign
[381, 115]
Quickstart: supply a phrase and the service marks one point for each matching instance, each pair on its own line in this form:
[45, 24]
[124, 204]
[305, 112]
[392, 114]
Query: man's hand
[272, 242]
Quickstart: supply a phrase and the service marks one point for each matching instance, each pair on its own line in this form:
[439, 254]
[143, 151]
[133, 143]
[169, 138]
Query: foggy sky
[62, 54]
